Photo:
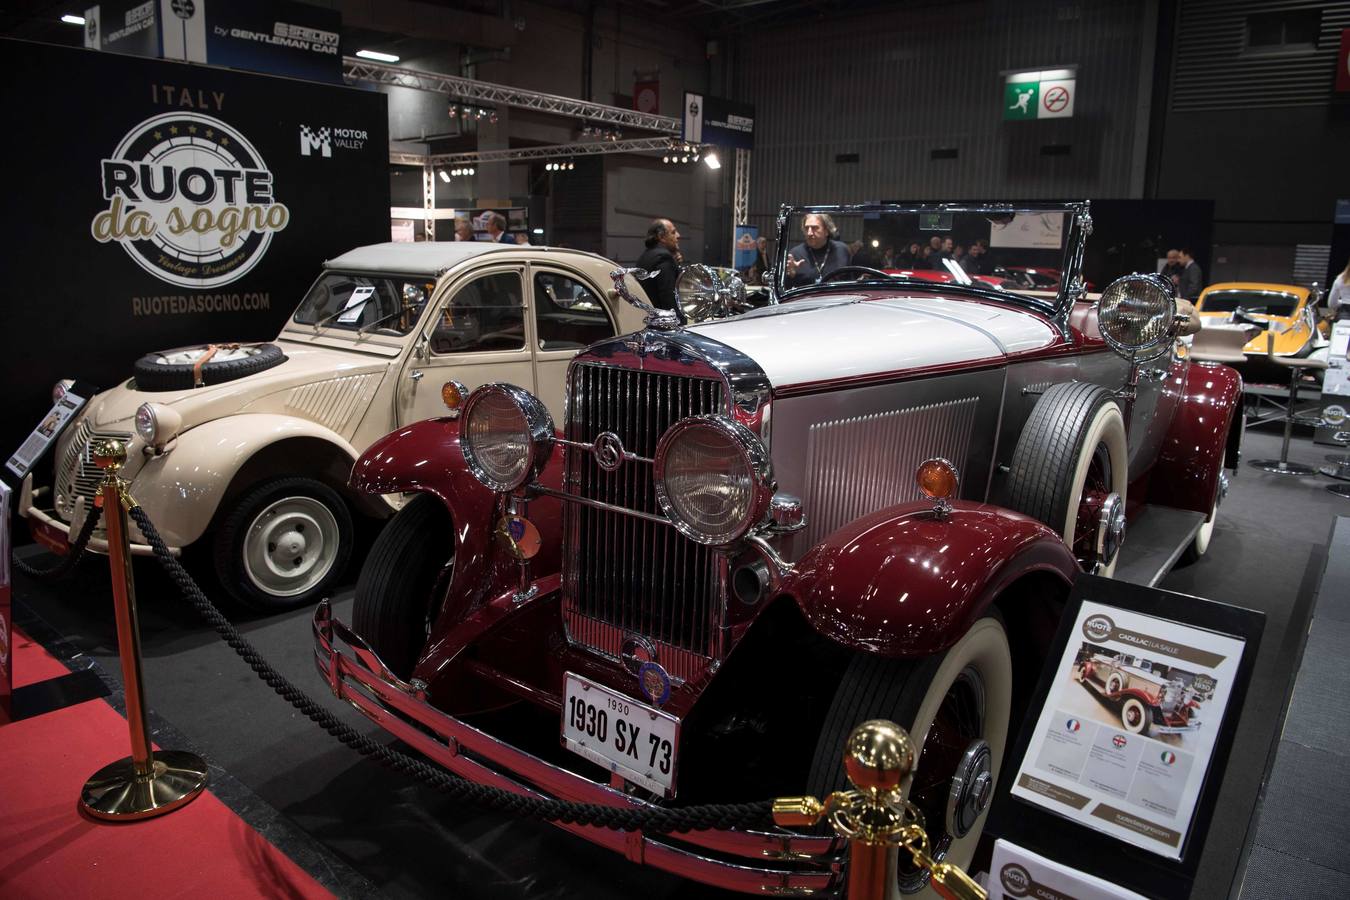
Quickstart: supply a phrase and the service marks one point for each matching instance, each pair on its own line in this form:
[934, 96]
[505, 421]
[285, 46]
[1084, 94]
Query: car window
[350, 302]
[568, 315]
[1270, 303]
[486, 314]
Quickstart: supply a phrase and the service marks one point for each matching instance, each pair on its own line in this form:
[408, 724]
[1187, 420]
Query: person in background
[761, 263]
[1338, 298]
[934, 254]
[463, 230]
[959, 254]
[909, 257]
[888, 258]
[1192, 280]
[522, 238]
[976, 261]
[1171, 269]
[854, 248]
[818, 255]
[661, 258]
[948, 248]
[496, 229]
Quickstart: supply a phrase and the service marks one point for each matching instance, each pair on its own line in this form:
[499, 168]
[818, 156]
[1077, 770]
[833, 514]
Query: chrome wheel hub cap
[290, 546]
[972, 789]
[1110, 529]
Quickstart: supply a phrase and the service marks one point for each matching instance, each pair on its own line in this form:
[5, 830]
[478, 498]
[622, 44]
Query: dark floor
[410, 842]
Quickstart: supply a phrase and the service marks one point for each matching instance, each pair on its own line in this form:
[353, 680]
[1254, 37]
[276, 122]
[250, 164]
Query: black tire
[1046, 478]
[396, 590]
[153, 374]
[260, 531]
[903, 691]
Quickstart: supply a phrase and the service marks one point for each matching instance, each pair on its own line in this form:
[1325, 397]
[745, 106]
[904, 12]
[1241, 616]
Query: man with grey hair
[496, 229]
[663, 242]
[818, 255]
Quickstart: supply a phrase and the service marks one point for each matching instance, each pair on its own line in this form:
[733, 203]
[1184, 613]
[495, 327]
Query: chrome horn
[657, 319]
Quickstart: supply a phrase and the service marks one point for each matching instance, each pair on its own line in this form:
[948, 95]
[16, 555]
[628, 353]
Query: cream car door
[476, 335]
[569, 315]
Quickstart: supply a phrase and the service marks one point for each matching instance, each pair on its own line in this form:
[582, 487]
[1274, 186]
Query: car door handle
[416, 374]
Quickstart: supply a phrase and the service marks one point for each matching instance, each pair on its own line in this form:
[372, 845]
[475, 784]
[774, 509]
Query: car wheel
[283, 544]
[1070, 457]
[1114, 684]
[1200, 544]
[1134, 716]
[395, 593]
[957, 707]
[176, 370]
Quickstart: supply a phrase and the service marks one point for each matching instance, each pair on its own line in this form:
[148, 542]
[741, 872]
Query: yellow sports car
[1287, 310]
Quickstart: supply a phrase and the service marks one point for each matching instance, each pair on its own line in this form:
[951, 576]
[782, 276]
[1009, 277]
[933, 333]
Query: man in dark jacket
[1192, 279]
[818, 255]
[663, 242]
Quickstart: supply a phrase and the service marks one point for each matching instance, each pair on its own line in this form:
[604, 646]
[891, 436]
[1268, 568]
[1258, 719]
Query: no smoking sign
[1056, 99]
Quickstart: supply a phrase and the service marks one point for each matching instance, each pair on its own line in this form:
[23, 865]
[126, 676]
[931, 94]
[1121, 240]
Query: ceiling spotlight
[444, 176]
[377, 56]
[684, 159]
[73, 20]
[666, 158]
[875, 243]
[492, 118]
[695, 156]
[471, 170]
[711, 161]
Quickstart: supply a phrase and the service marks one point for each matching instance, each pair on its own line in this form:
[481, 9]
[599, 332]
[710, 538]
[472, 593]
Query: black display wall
[106, 257]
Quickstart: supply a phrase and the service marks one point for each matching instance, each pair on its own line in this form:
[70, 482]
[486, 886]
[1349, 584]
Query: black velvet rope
[654, 820]
[71, 559]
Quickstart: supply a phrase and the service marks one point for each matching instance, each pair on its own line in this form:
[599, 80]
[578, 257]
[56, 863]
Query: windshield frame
[1299, 300]
[1071, 286]
[357, 334]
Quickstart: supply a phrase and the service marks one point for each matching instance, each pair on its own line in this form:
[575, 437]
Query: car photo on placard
[1138, 694]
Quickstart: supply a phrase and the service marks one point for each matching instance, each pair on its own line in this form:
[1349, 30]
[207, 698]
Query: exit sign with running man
[1046, 94]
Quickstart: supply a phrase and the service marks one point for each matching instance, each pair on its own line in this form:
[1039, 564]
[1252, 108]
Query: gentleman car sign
[190, 200]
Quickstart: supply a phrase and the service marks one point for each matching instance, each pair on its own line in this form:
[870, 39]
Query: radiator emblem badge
[655, 683]
[608, 451]
[636, 652]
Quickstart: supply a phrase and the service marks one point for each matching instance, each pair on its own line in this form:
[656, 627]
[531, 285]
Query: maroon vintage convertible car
[865, 500]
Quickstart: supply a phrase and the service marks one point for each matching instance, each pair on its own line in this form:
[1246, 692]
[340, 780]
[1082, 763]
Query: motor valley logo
[1098, 628]
[190, 200]
[1015, 880]
[321, 141]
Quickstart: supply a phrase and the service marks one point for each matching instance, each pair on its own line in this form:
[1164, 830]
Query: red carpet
[49, 849]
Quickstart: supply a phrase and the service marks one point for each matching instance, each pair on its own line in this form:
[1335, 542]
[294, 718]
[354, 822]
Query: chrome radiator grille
[623, 574]
[76, 474]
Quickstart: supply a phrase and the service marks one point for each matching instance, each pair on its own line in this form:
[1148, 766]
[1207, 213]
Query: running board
[1154, 542]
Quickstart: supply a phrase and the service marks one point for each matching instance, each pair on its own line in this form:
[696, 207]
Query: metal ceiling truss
[471, 91]
[547, 151]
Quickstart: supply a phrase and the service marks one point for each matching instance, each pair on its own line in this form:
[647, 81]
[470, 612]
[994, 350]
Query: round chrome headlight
[507, 436]
[713, 479]
[1137, 315]
[157, 424]
[707, 293]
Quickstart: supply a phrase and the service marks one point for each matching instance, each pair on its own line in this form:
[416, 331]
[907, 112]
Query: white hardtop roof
[430, 258]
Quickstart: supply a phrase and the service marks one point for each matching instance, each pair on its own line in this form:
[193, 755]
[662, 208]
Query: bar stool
[1296, 366]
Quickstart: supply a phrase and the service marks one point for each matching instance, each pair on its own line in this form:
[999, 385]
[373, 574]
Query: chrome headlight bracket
[755, 459]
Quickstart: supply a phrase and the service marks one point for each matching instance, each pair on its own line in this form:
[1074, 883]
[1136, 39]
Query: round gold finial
[108, 453]
[878, 755]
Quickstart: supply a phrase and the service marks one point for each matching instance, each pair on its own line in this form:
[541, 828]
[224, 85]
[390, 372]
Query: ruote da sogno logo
[190, 200]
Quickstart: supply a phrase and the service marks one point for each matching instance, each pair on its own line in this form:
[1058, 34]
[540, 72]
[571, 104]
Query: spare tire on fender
[184, 368]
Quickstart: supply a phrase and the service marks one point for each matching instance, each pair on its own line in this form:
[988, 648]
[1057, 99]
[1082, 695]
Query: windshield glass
[993, 249]
[375, 303]
[1270, 303]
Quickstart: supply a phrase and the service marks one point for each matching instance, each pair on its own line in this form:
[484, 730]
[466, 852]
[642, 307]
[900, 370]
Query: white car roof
[419, 258]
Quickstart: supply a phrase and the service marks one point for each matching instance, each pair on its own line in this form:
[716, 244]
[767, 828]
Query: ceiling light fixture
[377, 56]
[711, 161]
[72, 20]
[445, 176]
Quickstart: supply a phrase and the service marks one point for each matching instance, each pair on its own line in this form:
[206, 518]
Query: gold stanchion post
[145, 783]
[875, 816]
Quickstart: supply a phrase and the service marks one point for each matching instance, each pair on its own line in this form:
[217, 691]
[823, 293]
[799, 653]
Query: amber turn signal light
[937, 478]
[452, 395]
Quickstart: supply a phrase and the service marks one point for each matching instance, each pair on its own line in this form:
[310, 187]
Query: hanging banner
[723, 123]
[747, 246]
[197, 204]
[281, 37]
[647, 96]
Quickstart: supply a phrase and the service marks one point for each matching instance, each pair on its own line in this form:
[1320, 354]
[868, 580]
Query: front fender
[181, 488]
[1193, 454]
[901, 582]
[425, 457]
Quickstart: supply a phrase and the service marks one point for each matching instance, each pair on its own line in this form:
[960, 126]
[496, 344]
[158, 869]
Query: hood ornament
[657, 319]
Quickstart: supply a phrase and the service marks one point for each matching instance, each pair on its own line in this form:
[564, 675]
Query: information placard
[47, 431]
[1021, 873]
[1121, 744]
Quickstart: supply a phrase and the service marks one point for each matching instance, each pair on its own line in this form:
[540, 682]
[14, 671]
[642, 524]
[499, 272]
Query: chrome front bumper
[777, 863]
